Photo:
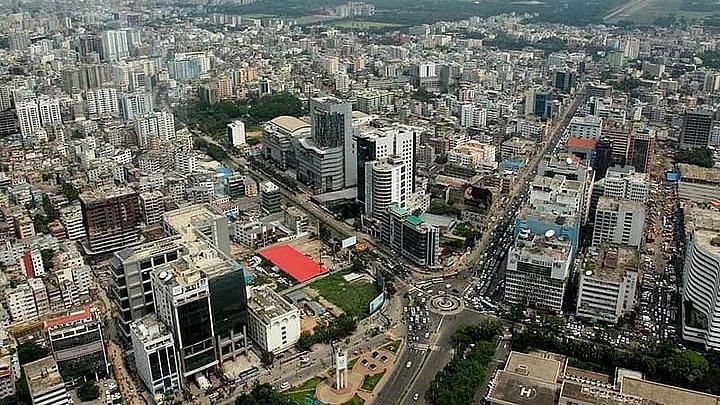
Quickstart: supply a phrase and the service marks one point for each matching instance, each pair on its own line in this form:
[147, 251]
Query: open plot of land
[353, 298]
[648, 11]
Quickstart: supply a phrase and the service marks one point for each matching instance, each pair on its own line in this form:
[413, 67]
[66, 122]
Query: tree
[267, 358]
[31, 351]
[69, 192]
[88, 391]
[698, 156]
[47, 258]
[49, 209]
[263, 394]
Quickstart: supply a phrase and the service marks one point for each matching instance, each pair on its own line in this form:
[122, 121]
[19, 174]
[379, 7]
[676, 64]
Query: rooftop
[42, 376]
[612, 204]
[512, 389]
[105, 193]
[661, 394]
[71, 318]
[581, 143]
[698, 173]
[534, 366]
[185, 221]
[293, 263]
[289, 124]
[610, 262]
[148, 328]
[267, 305]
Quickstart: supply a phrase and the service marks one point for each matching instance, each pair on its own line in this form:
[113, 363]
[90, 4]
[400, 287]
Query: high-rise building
[29, 118]
[72, 219]
[625, 183]
[279, 138]
[608, 283]
[385, 185]
[182, 302]
[152, 205]
[135, 104]
[587, 127]
[236, 133]
[77, 344]
[114, 45]
[49, 109]
[413, 238]
[157, 126]
[618, 222]
[696, 128]
[270, 197]
[332, 134]
[155, 356]
[45, 383]
[641, 149]
[399, 141]
[537, 271]
[131, 267]
[102, 102]
[619, 136]
[701, 279]
[111, 218]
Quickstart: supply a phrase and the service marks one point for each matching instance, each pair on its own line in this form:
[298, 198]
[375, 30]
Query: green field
[353, 298]
[259, 15]
[652, 10]
[297, 394]
[371, 381]
[392, 346]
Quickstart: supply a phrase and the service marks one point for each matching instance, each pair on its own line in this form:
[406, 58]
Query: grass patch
[371, 381]
[356, 400]
[353, 298]
[259, 15]
[393, 346]
[297, 394]
[352, 362]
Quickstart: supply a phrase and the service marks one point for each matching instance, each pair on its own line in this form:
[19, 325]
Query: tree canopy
[699, 156]
[263, 394]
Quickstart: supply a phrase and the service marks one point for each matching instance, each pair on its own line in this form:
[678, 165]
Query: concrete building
[270, 197]
[72, 219]
[295, 220]
[608, 283]
[625, 183]
[114, 45]
[274, 323]
[199, 221]
[102, 102]
[78, 346]
[253, 234]
[130, 285]
[236, 133]
[537, 271]
[327, 159]
[701, 279]
[371, 101]
[473, 154]
[182, 302]
[698, 184]
[545, 378]
[152, 205]
[280, 136]
[385, 185]
[45, 384]
[7, 376]
[414, 239]
[156, 359]
[21, 303]
[112, 219]
[156, 126]
[619, 222]
[587, 127]
[696, 129]
[399, 141]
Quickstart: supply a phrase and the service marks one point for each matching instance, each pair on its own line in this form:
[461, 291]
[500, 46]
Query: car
[409, 364]
[416, 396]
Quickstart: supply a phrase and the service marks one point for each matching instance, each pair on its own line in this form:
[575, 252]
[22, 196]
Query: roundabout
[445, 304]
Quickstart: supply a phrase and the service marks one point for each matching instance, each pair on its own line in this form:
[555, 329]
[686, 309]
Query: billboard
[348, 242]
[377, 302]
[672, 176]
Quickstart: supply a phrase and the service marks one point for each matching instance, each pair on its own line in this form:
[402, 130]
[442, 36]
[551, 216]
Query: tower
[340, 358]
[696, 129]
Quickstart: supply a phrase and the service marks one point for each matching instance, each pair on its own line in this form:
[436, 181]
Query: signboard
[672, 176]
[340, 361]
[377, 302]
[348, 242]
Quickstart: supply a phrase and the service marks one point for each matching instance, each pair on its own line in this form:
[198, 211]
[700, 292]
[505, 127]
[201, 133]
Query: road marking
[440, 324]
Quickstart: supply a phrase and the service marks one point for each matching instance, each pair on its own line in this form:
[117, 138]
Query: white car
[409, 364]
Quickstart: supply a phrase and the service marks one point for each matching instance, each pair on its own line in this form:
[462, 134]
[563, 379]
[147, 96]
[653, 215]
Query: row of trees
[338, 329]
[459, 381]
[698, 156]
[211, 149]
[263, 394]
[665, 364]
